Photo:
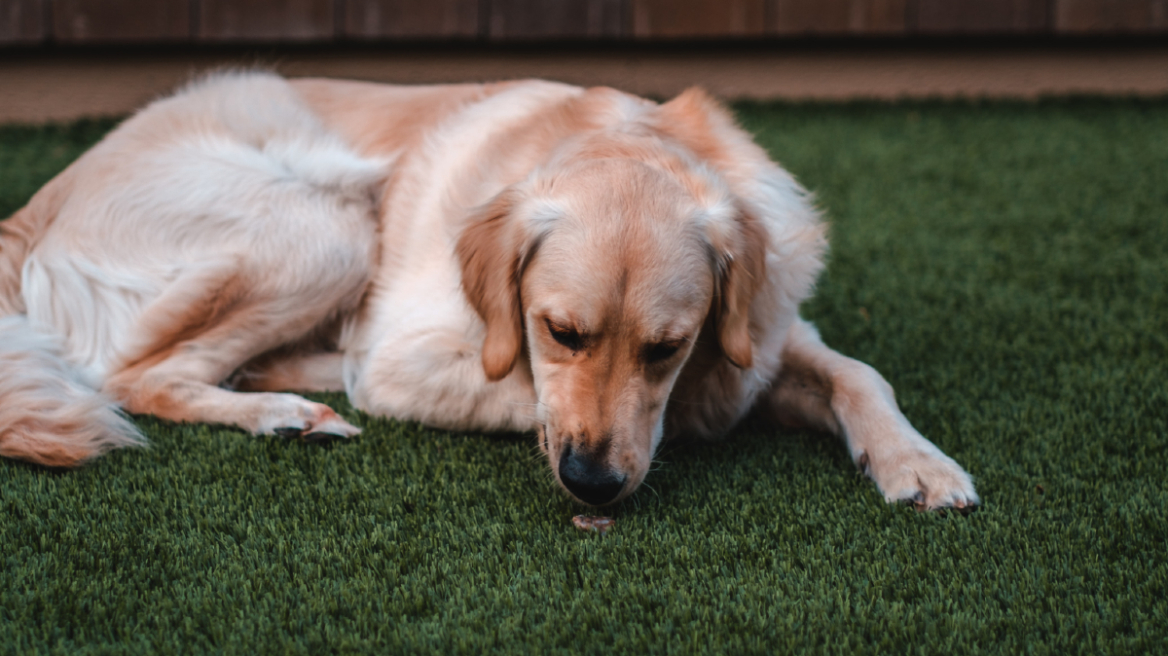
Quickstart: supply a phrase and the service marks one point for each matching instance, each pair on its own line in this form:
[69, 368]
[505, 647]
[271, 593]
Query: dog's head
[606, 264]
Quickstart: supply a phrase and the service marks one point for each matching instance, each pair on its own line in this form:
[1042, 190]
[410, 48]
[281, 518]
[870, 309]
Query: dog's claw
[917, 501]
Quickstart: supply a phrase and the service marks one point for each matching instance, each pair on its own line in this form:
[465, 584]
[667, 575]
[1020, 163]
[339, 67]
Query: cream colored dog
[602, 269]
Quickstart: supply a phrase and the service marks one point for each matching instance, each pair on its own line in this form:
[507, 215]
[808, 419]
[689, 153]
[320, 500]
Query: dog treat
[595, 524]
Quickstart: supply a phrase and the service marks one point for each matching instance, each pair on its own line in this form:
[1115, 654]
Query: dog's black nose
[593, 483]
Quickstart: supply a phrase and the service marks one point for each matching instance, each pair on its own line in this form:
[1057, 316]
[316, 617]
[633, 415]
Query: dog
[604, 270]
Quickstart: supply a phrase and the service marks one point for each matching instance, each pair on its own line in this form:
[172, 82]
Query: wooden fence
[32, 22]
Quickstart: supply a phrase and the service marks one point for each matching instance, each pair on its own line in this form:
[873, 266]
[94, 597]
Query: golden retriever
[599, 268]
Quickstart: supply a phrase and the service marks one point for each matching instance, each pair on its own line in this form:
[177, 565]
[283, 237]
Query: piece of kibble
[594, 524]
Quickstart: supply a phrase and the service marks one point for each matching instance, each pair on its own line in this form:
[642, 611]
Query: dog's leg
[821, 389]
[306, 372]
[180, 383]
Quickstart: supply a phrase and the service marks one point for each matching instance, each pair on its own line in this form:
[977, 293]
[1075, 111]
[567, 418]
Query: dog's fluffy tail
[47, 415]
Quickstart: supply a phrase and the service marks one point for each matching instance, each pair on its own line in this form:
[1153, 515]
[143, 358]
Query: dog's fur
[602, 269]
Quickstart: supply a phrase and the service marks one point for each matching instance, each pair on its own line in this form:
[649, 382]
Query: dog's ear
[736, 236]
[703, 125]
[490, 251]
[739, 253]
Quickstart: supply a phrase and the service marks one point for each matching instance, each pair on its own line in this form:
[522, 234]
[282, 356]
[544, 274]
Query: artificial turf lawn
[1004, 265]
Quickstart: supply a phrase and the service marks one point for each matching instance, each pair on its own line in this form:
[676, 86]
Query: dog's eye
[567, 337]
[660, 352]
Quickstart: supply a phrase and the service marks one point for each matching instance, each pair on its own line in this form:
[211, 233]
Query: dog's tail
[47, 414]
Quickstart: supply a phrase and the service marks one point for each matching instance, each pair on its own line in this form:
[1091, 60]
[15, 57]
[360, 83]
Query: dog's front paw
[926, 478]
[294, 417]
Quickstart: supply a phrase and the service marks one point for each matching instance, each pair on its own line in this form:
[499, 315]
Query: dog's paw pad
[318, 437]
[288, 432]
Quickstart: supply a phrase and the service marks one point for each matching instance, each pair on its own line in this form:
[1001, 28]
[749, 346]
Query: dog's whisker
[657, 465]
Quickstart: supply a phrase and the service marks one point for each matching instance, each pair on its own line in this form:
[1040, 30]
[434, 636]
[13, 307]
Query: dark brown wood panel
[106, 21]
[982, 16]
[372, 19]
[698, 18]
[22, 21]
[1110, 16]
[552, 19]
[82, 21]
[839, 16]
[267, 20]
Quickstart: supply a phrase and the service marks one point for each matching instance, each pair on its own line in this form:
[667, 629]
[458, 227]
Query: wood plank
[22, 21]
[982, 16]
[698, 18]
[36, 87]
[839, 16]
[267, 20]
[94, 21]
[553, 19]
[371, 19]
[1110, 16]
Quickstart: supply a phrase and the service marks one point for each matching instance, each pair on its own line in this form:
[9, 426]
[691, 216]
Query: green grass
[1004, 265]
